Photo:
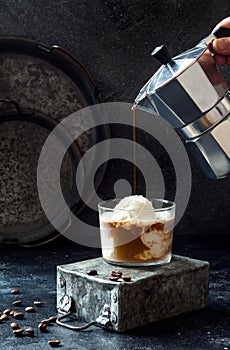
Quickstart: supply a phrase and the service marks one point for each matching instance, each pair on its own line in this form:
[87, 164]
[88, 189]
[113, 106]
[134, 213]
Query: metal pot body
[212, 150]
[188, 95]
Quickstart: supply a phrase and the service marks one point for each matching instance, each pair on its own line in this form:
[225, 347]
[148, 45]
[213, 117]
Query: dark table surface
[33, 271]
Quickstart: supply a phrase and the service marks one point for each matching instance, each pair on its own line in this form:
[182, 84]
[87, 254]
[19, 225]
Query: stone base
[154, 293]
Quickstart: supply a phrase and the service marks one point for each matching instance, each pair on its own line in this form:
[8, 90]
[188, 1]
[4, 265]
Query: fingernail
[221, 44]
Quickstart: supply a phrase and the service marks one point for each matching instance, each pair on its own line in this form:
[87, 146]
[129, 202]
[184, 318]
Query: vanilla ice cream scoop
[134, 207]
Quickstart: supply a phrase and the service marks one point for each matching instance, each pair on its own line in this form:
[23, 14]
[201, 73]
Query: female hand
[221, 47]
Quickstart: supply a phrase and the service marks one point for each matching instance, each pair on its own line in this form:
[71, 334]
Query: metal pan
[49, 84]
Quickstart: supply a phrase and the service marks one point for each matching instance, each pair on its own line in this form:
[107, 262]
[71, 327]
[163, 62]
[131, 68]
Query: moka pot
[190, 92]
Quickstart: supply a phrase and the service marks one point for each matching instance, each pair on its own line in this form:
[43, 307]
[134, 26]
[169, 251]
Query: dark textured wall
[113, 39]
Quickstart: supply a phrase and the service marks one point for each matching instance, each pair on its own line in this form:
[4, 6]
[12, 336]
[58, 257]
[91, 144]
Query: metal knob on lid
[161, 53]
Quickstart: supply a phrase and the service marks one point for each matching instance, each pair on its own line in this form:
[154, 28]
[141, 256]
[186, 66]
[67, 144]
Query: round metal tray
[47, 84]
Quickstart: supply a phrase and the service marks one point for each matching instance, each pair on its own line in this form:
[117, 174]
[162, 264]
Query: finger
[221, 46]
[221, 60]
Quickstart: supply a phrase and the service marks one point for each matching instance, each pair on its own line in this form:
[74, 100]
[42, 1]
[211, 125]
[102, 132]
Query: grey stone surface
[154, 293]
[33, 271]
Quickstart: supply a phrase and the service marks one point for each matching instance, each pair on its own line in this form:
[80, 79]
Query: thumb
[221, 46]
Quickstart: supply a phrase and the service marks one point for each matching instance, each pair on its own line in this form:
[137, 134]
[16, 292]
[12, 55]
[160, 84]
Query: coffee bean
[116, 273]
[92, 272]
[12, 313]
[37, 303]
[4, 317]
[7, 312]
[126, 278]
[42, 327]
[52, 319]
[54, 343]
[114, 278]
[19, 315]
[18, 332]
[15, 291]
[46, 321]
[29, 332]
[30, 309]
[14, 325]
[17, 302]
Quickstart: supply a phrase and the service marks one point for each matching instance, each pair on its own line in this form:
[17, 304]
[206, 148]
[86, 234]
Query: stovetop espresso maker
[190, 92]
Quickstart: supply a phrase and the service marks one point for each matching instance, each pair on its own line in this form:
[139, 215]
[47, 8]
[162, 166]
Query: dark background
[113, 39]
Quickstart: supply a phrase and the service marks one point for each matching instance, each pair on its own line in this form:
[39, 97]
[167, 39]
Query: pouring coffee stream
[190, 92]
[134, 152]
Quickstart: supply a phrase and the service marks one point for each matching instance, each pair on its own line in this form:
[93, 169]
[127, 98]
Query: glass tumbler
[137, 237]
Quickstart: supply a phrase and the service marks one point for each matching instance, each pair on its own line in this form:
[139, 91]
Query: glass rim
[172, 205]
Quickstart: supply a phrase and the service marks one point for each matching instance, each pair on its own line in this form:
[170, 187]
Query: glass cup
[137, 237]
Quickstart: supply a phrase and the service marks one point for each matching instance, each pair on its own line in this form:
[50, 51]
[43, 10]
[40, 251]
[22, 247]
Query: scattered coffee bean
[4, 317]
[42, 327]
[92, 272]
[52, 319]
[14, 325]
[17, 302]
[7, 312]
[30, 309]
[54, 343]
[37, 303]
[29, 332]
[18, 332]
[19, 315]
[114, 278]
[46, 321]
[12, 313]
[126, 278]
[116, 273]
[15, 291]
